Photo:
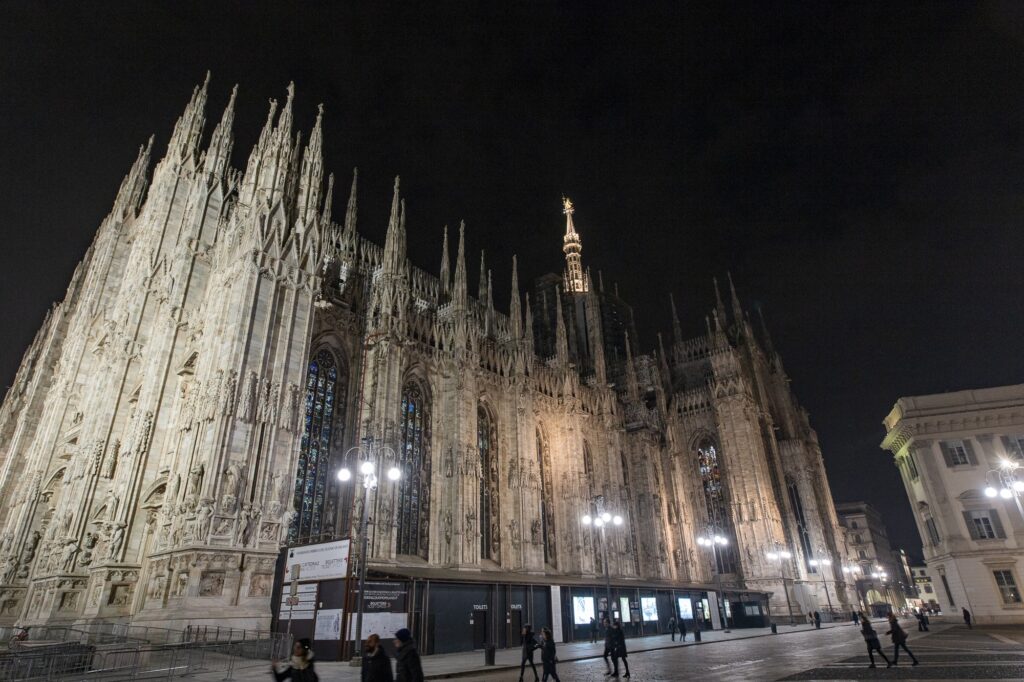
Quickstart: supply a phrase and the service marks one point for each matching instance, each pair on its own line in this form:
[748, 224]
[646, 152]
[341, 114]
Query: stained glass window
[801, 523]
[547, 501]
[313, 484]
[490, 519]
[714, 502]
[413, 511]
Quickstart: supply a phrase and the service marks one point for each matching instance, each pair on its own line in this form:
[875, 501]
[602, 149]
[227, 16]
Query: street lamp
[782, 555]
[601, 520]
[823, 564]
[713, 541]
[368, 472]
[1006, 482]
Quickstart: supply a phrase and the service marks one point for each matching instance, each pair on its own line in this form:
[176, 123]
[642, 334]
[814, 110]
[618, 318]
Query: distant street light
[713, 541]
[782, 555]
[602, 519]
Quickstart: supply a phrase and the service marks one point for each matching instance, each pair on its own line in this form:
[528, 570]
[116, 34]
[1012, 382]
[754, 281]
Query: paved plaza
[836, 652]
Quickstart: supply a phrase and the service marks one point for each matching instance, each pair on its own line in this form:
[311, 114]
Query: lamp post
[881, 575]
[713, 541]
[1006, 482]
[852, 570]
[600, 520]
[368, 475]
[822, 565]
[782, 555]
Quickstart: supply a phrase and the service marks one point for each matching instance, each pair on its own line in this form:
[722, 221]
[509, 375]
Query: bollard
[489, 654]
[775, 630]
[696, 635]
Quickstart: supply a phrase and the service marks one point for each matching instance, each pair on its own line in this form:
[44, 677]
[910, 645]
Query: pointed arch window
[323, 421]
[801, 522]
[547, 501]
[628, 487]
[490, 518]
[714, 501]
[588, 467]
[413, 509]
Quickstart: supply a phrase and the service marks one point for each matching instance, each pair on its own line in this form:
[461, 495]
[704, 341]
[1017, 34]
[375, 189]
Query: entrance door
[515, 635]
[480, 629]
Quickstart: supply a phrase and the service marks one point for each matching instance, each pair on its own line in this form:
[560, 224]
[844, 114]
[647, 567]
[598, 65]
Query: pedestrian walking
[817, 620]
[967, 618]
[672, 627]
[619, 649]
[899, 639]
[682, 629]
[853, 615]
[922, 621]
[407, 660]
[529, 646]
[871, 639]
[548, 656]
[300, 665]
[376, 664]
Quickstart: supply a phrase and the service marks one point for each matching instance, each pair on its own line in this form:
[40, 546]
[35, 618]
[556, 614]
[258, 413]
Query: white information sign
[649, 607]
[685, 608]
[328, 625]
[326, 561]
[380, 623]
[583, 610]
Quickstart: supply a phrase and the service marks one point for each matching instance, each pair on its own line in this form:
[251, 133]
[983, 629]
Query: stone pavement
[506, 666]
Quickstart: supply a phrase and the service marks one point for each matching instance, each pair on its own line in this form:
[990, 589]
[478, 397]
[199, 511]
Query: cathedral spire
[737, 309]
[528, 328]
[677, 331]
[514, 313]
[572, 246]
[325, 215]
[446, 275]
[459, 288]
[394, 242]
[218, 155]
[133, 187]
[481, 291]
[666, 373]
[719, 306]
[184, 142]
[561, 338]
[632, 384]
[350, 210]
[311, 176]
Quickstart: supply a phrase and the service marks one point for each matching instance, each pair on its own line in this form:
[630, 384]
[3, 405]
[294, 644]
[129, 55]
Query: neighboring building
[878, 574]
[904, 581]
[948, 448]
[925, 588]
[225, 347]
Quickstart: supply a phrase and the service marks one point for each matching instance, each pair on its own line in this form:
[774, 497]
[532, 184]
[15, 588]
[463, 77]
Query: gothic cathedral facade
[225, 346]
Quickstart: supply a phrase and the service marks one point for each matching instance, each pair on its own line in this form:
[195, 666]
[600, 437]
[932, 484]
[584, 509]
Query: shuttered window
[958, 453]
[1007, 586]
[984, 524]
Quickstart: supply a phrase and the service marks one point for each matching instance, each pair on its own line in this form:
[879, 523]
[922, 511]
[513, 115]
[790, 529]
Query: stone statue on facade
[116, 541]
[195, 480]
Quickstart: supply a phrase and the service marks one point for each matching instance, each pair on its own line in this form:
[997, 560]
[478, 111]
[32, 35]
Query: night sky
[858, 168]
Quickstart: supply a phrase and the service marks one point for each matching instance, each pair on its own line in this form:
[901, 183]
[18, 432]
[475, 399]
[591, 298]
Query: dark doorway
[479, 629]
[515, 635]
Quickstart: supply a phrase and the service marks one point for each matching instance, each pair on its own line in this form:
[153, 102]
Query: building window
[547, 501]
[984, 524]
[928, 589]
[1014, 446]
[957, 452]
[949, 593]
[857, 539]
[413, 509]
[714, 501]
[1007, 586]
[862, 555]
[912, 466]
[325, 405]
[933, 531]
[629, 501]
[853, 524]
[801, 523]
[490, 519]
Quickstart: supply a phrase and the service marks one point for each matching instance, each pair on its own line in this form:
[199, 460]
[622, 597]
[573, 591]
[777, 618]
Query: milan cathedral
[225, 346]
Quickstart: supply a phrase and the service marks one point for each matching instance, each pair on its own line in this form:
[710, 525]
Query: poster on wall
[582, 610]
[325, 561]
[328, 625]
[384, 610]
[649, 608]
[602, 606]
[685, 608]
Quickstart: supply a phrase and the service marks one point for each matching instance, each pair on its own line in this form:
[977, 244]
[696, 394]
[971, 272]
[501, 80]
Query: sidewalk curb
[498, 668]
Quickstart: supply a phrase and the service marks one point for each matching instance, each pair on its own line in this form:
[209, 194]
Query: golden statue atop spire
[567, 207]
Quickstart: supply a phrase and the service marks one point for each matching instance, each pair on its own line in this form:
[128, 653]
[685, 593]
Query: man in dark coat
[548, 656]
[609, 645]
[967, 618]
[619, 649]
[376, 664]
[529, 645]
[407, 659]
[672, 627]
